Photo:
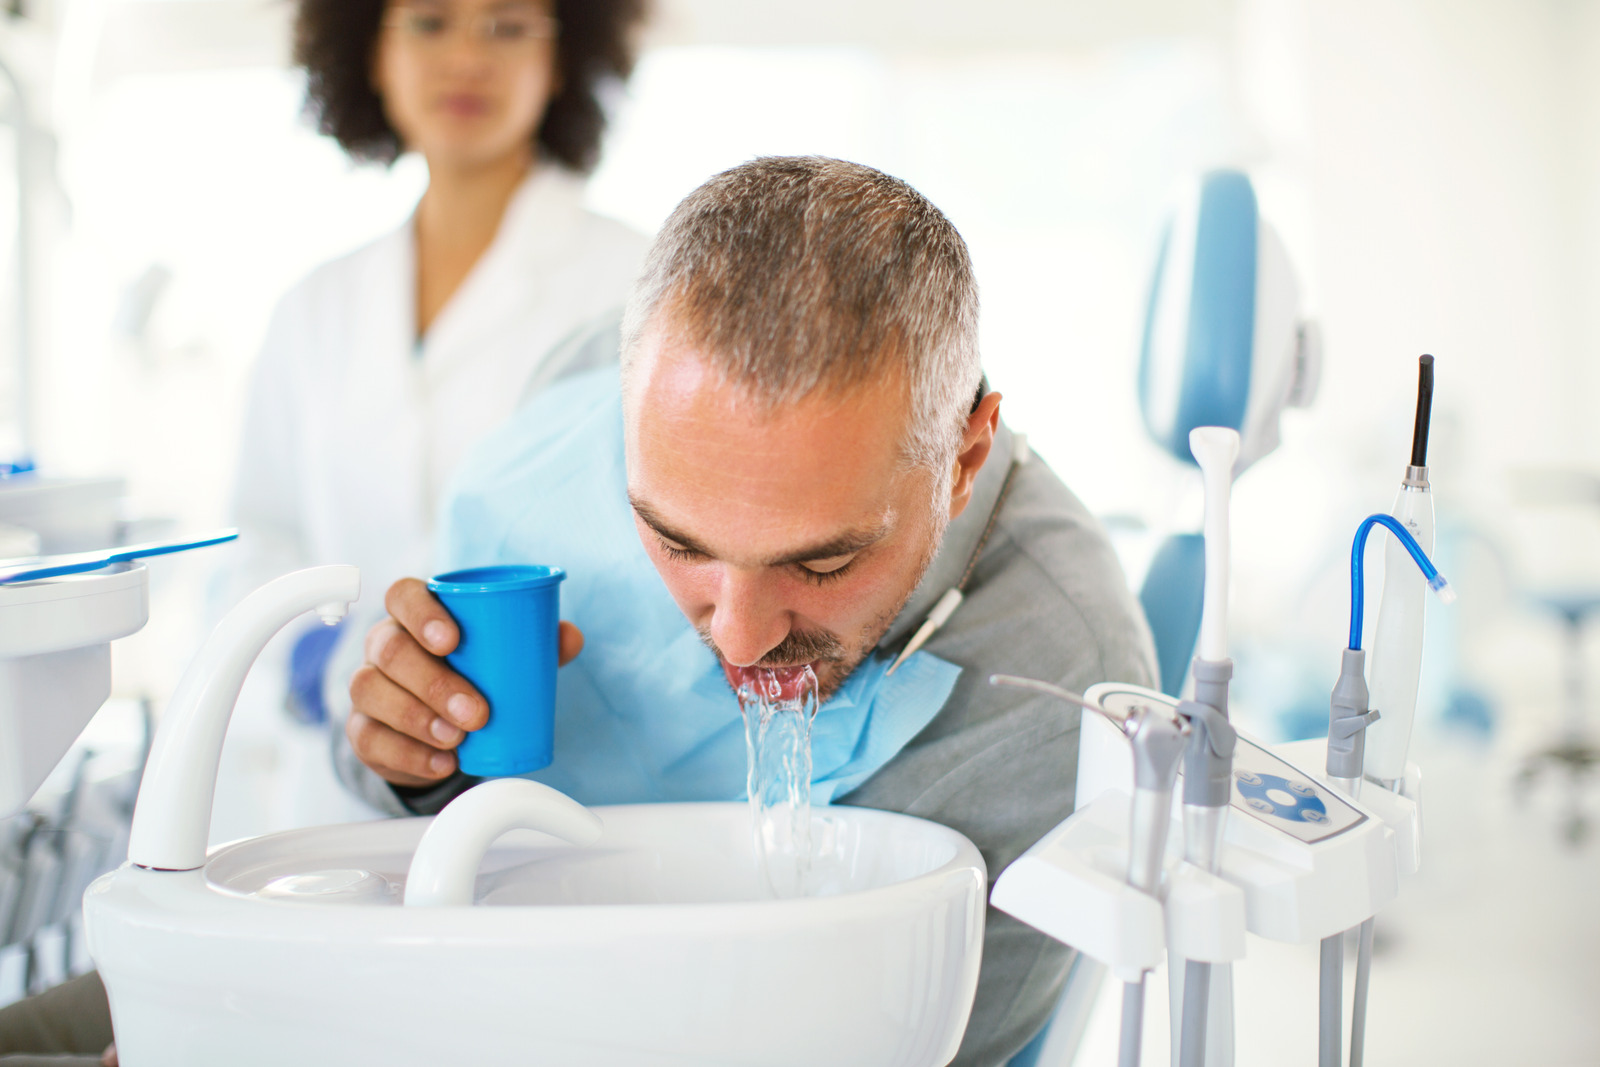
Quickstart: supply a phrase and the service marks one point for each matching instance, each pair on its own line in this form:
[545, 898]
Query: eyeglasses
[511, 28]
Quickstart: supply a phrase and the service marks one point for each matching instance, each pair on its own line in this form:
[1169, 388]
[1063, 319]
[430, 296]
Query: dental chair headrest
[1224, 340]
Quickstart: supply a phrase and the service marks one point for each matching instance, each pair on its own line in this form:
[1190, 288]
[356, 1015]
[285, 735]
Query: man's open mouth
[786, 680]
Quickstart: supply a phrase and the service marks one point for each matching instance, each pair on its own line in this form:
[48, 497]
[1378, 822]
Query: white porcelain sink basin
[635, 937]
[653, 946]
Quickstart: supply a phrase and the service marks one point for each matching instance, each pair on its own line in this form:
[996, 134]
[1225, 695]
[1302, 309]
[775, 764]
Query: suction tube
[1208, 760]
[1215, 448]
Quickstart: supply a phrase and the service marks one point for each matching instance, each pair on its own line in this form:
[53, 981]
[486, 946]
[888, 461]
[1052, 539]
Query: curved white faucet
[444, 868]
[173, 813]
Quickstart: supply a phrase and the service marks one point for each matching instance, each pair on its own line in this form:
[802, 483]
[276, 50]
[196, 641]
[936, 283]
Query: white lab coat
[354, 427]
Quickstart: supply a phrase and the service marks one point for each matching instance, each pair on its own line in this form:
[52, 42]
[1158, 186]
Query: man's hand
[409, 710]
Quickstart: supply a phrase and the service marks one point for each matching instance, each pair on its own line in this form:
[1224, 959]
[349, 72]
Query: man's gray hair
[798, 274]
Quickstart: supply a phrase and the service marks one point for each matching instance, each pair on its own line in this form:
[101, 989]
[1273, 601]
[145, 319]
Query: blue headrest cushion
[1196, 371]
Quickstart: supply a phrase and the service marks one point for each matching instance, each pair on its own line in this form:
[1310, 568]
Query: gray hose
[1330, 1009]
[1358, 1007]
[1196, 1006]
[1132, 1023]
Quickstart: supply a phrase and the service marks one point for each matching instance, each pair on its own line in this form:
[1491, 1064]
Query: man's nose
[748, 620]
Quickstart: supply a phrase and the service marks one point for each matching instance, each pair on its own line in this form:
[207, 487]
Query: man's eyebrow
[845, 544]
[648, 516]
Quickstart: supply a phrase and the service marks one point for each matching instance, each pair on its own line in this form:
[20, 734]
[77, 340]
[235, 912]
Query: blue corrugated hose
[1436, 580]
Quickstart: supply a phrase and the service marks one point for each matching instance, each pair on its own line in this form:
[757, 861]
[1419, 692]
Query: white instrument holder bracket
[1072, 884]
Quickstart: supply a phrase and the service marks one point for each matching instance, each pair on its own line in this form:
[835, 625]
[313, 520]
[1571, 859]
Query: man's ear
[975, 446]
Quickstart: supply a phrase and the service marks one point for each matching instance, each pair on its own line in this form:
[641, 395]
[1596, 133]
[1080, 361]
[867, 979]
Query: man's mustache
[797, 648]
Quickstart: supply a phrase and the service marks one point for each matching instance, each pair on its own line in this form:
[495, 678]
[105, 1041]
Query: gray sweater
[1047, 599]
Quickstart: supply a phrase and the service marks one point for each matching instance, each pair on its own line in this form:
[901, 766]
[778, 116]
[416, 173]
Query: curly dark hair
[334, 41]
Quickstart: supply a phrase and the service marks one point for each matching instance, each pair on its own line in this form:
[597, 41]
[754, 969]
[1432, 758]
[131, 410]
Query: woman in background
[381, 367]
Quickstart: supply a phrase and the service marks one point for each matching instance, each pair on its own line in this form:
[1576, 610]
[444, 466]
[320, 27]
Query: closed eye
[819, 571]
[677, 552]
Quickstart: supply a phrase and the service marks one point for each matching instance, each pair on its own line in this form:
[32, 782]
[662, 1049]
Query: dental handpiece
[1396, 661]
[1354, 710]
[1158, 738]
[1397, 639]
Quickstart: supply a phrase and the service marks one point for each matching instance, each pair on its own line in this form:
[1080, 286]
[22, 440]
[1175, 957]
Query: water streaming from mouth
[778, 707]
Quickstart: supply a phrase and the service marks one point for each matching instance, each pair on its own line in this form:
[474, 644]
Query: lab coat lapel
[539, 224]
[369, 445]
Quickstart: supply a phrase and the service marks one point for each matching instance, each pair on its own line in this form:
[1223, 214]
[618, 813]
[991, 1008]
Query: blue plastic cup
[509, 619]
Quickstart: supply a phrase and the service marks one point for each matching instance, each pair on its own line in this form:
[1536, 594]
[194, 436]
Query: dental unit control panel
[1266, 787]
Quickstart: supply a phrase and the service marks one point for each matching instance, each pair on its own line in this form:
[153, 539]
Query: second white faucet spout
[444, 868]
[173, 813]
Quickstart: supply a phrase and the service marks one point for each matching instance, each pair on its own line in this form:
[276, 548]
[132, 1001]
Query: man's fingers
[394, 756]
[378, 697]
[569, 643]
[408, 708]
[396, 654]
[421, 614]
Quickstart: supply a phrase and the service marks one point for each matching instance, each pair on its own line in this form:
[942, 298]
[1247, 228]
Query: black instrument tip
[1419, 434]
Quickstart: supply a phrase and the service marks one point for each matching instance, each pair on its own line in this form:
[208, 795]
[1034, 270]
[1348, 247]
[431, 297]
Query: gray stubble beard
[825, 649]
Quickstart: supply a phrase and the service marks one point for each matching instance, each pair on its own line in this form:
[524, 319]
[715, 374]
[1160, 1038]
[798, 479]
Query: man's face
[787, 537]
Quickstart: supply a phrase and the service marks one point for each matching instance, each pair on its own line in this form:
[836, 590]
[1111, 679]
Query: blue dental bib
[644, 713]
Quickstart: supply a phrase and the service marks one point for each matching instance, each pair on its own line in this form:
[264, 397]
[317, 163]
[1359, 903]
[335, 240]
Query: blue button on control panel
[1278, 794]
